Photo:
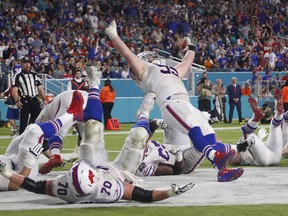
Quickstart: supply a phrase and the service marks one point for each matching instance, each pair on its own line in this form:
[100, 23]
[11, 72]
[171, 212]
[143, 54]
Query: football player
[173, 99]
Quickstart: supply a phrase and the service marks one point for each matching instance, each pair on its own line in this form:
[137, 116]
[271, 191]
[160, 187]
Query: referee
[26, 87]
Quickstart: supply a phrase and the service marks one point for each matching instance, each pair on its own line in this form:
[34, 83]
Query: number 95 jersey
[109, 188]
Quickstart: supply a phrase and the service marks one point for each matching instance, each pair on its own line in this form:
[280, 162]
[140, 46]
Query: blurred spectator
[107, 97]
[271, 57]
[246, 90]
[219, 91]
[59, 71]
[116, 73]
[234, 95]
[285, 95]
[268, 114]
[125, 72]
[77, 83]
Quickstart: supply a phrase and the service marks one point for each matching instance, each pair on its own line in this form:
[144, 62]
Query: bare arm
[42, 94]
[138, 66]
[186, 63]
[16, 97]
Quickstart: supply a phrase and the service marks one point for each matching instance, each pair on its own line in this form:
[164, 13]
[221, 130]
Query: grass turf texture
[114, 142]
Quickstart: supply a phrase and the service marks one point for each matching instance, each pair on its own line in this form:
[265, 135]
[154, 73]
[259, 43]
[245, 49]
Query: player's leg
[252, 124]
[187, 119]
[74, 113]
[132, 151]
[92, 145]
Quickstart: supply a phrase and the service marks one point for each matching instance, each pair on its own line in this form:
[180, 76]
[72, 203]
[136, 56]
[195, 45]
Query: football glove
[177, 190]
[111, 31]
[5, 170]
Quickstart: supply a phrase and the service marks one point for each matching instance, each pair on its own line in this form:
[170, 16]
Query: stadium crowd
[60, 36]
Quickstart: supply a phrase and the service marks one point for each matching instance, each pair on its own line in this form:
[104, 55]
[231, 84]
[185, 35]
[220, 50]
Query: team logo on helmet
[82, 178]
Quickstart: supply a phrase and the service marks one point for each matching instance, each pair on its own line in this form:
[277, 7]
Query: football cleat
[279, 103]
[227, 175]
[258, 113]
[76, 106]
[221, 158]
[53, 162]
[147, 105]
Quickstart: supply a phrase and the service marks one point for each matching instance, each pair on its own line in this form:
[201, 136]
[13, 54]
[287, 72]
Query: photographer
[219, 91]
[204, 88]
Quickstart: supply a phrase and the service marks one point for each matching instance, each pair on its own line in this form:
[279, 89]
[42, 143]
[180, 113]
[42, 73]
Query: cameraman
[204, 88]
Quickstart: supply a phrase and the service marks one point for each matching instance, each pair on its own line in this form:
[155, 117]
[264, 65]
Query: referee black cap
[26, 59]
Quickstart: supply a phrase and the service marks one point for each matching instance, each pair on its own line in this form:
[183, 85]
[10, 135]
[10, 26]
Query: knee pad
[93, 146]
[131, 154]
[137, 138]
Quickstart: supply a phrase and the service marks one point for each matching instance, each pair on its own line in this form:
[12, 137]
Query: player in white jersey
[144, 157]
[57, 106]
[23, 151]
[173, 99]
[86, 182]
[263, 153]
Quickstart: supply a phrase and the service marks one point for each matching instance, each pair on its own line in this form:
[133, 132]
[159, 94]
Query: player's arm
[39, 187]
[188, 59]
[132, 192]
[137, 65]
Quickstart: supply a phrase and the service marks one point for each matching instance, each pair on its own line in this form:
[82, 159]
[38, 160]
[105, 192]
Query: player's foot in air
[258, 113]
[221, 158]
[76, 106]
[53, 162]
[278, 102]
[227, 175]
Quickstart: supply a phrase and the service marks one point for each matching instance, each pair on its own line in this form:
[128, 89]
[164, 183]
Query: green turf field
[114, 143]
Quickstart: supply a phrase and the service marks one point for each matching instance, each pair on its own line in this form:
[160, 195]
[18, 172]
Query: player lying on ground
[56, 108]
[262, 153]
[86, 182]
[173, 99]
[23, 151]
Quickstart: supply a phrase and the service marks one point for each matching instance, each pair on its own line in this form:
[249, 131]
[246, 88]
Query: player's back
[163, 81]
[59, 105]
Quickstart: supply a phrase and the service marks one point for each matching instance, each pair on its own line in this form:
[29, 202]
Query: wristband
[192, 47]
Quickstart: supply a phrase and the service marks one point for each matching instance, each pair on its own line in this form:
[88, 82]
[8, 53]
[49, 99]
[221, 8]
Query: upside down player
[262, 153]
[173, 100]
[57, 107]
[23, 152]
[86, 182]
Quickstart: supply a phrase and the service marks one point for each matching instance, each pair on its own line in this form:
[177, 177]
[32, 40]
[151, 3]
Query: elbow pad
[38, 187]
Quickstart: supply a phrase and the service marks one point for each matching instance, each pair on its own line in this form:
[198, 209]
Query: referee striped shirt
[27, 83]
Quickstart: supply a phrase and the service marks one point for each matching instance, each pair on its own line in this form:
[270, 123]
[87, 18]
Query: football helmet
[150, 56]
[82, 178]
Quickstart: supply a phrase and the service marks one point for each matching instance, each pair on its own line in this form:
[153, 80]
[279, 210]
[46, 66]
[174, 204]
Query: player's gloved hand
[5, 170]
[161, 123]
[177, 190]
[262, 133]
[111, 31]
[190, 45]
[177, 152]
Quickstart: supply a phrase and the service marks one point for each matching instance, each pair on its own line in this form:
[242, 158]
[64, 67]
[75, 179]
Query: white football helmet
[82, 178]
[150, 56]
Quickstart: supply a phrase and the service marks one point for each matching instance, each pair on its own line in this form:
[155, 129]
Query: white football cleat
[147, 105]
[93, 74]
